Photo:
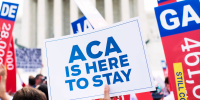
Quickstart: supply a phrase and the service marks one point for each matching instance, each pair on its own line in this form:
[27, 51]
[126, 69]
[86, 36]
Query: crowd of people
[37, 89]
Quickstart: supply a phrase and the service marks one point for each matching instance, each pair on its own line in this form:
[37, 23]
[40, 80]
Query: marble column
[108, 11]
[73, 13]
[58, 18]
[125, 10]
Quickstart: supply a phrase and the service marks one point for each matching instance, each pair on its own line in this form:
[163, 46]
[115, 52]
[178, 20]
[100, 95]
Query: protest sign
[28, 59]
[7, 20]
[91, 13]
[179, 25]
[8, 15]
[81, 25]
[164, 2]
[83, 64]
[164, 67]
[11, 69]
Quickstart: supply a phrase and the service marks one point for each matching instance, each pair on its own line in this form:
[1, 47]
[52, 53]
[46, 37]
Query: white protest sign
[80, 65]
[91, 13]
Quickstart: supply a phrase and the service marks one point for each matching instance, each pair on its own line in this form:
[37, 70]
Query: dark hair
[31, 81]
[43, 88]
[166, 80]
[29, 93]
[38, 75]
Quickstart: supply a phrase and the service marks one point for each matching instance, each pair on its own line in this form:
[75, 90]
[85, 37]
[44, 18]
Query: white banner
[80, 65]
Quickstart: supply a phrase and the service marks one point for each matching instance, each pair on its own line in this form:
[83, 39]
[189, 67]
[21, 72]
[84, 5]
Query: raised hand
[2, 70]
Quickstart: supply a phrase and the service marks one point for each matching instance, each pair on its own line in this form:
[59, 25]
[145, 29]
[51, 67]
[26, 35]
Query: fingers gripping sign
[106, 93]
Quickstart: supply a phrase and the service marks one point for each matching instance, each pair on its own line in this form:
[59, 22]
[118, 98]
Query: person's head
[38, 79]
[31, 81]
[167, 84]
[43, 88]
[28, 93]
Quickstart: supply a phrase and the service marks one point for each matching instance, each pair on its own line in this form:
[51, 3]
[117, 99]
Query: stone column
[125, 10]
[108, 11]
[29, 21]
[42, 29]
[73, 13]
[58, 18]
[143, 19]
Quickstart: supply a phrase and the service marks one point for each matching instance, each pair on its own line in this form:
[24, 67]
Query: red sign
[138, 96]
[11, 69]
[8, 15]
[186, 51]
[179, 25]
[6, 35]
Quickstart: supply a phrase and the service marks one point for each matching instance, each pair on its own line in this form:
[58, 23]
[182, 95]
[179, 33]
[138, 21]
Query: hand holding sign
[106, 93]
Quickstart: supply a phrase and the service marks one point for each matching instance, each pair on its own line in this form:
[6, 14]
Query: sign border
[95, 32]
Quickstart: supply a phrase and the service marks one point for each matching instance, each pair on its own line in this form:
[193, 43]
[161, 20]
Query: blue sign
[178, 17]
[9, 11]
[81, 25]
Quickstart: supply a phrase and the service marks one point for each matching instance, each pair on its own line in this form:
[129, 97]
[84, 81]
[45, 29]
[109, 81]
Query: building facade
[44, 19]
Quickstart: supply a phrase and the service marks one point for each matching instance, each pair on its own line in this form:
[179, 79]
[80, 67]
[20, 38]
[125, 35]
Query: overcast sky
[149, 5]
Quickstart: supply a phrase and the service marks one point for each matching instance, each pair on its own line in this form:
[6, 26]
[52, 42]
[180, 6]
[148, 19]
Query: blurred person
[38, 79]
[44, 89]
[28, 93]
[171, 95]
[31, 81]
[158, 93]
[3, 74]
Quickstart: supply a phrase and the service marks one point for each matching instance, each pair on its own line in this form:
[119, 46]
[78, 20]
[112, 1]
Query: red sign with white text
[8, 15]
[11, 69]
[179, 25]
[6, 35]
[186, 51]
[7, 19]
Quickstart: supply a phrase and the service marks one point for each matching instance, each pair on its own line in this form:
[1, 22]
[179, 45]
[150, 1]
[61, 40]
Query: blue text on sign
[101, 65]
[81, 25]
